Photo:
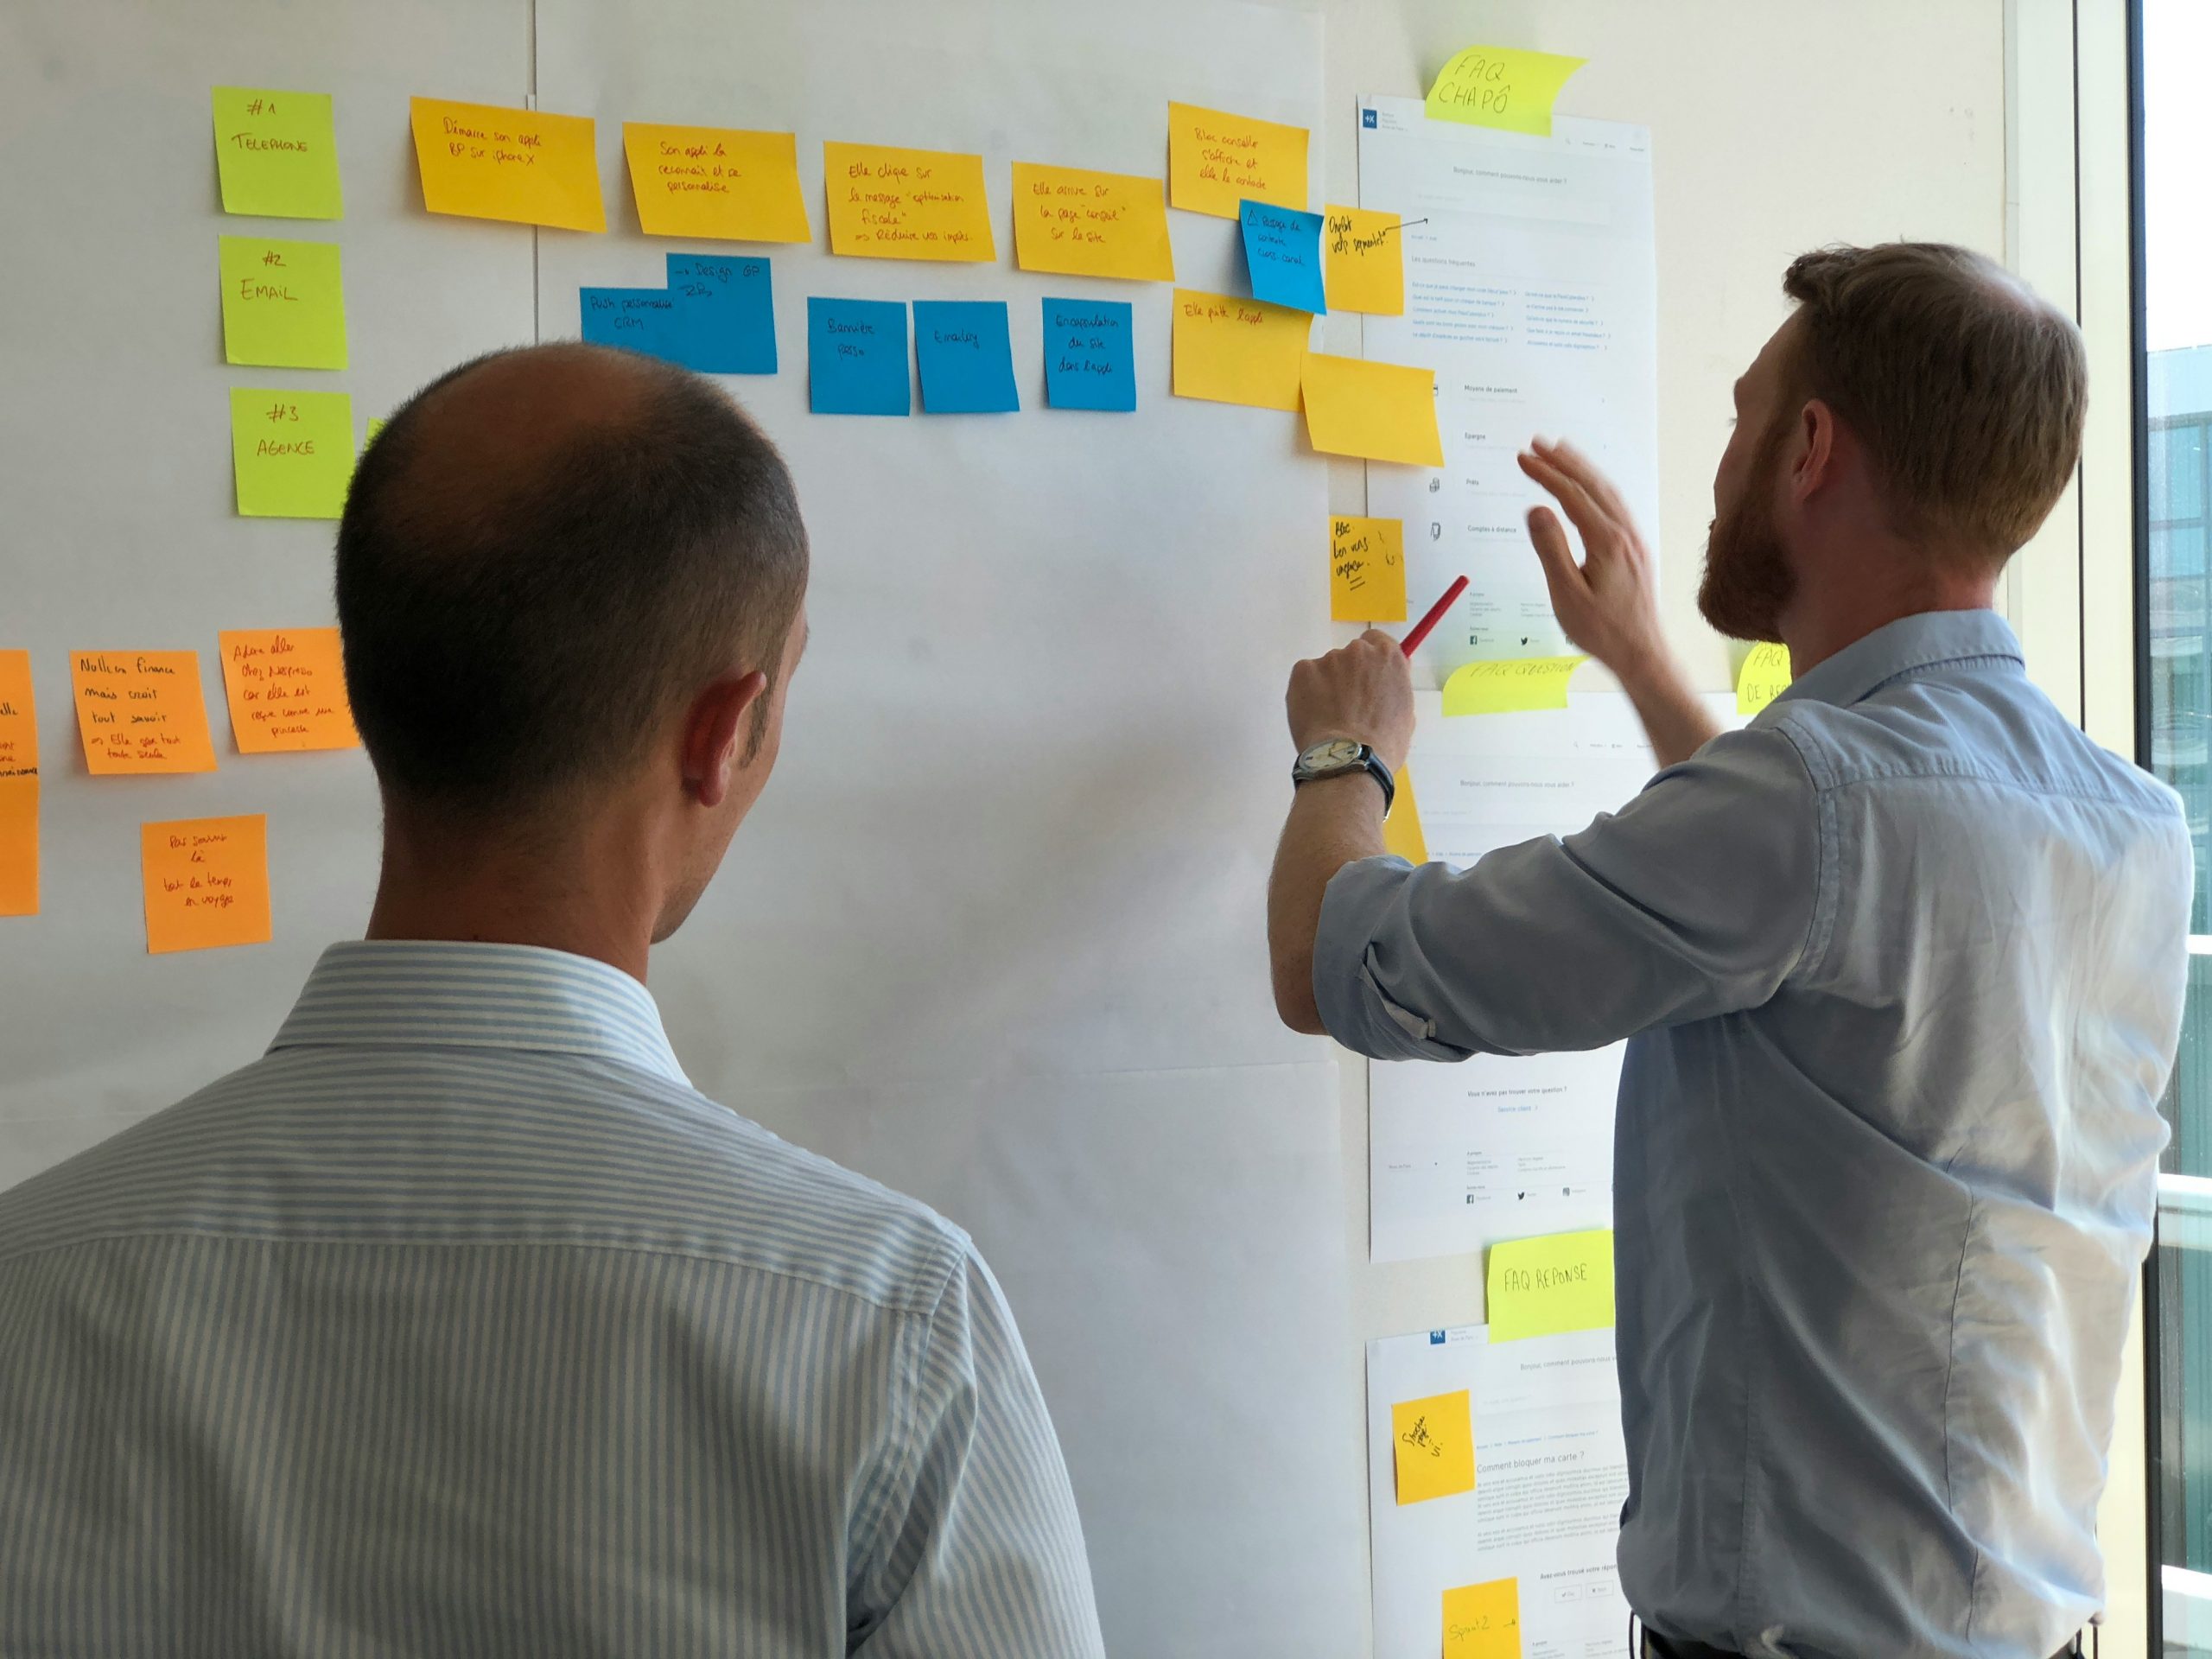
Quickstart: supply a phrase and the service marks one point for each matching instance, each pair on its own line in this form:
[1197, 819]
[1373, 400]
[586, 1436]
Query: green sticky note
[1501, 86]
[291, 451]
[276, 153]
[1512, 686]
[1541, 1286]
[283, 303]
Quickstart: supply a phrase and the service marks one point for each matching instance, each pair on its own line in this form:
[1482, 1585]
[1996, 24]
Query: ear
[714, 734]
[1816, 460]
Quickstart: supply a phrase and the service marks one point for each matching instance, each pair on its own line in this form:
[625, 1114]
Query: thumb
[1561, 574]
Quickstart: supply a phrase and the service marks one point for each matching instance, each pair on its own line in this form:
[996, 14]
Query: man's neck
[1825, 617]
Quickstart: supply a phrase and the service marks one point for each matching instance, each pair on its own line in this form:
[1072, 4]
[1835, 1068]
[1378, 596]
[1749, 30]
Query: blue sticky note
[856, 357]
[966, 358]
[725, 313]
[1282, 248]
[636, 319]
[1090, 360]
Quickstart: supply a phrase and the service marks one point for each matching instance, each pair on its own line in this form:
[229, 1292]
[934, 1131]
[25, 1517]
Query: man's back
[461, 1323]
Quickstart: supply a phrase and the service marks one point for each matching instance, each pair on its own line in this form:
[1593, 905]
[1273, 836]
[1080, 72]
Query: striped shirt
[460, 1322]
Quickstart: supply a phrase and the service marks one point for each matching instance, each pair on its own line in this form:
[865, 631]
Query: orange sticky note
[887, 203]
[1482, 1621]
[1234, 351]
[141, 711]
[286, 689]
[1433, 1439]
[1078, 223]
[18, 718]
[1367, 569]
[715, 181]
[1216, 161]
[1379, 411]
[1401, 832]
[19, 846]
[1363, 265]
[486, 161]
[207, 882]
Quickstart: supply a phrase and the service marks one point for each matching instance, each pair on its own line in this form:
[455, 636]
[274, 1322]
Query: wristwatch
[1340, 755]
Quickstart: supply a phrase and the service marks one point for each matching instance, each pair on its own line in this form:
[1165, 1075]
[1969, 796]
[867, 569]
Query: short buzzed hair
[503, 645]
[1966, 388]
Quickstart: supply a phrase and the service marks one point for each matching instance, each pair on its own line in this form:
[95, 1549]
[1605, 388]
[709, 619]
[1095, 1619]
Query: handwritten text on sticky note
[1764, 676]
[276, 153]
[1365, 265]
[1434, 1442]
[1234, 351]
[1090, 355]
[488, 160]
[1501, 86]
[715, 181]
[141, 711]
[19, 787]
[1216, 160]
[207, 882]
[1515, 685]
[283, 303]
[1282, 253]
[18, 717]
[886, 203]
[1074, 222]
[1379, 411]
[1482, 1621]
[1541, 1286]
[291, 451]
[1367, 569]
[286, 689]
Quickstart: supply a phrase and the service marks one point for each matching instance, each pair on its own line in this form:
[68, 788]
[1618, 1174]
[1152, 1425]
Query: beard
[1748, 582]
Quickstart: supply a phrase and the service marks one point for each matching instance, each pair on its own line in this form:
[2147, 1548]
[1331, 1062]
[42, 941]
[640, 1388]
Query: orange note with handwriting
[140, 711]
[286, 689]
[18, 787]
[488, 160]
[18, 719]
[207, 882]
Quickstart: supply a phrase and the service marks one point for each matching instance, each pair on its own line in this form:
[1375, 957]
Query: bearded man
[1900, 966]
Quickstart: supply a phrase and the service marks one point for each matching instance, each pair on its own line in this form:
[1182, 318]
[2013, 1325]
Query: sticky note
[1282, 253]
[1513, 685]
[1216, 160]
[18, 717]
[207, 882]
[717, 182]
[1090, 355]
[276, 153]
[965, 358]
[1434, 1440]
[283, 303]
[856, 357]
[1764, 676]
[19, 846]
[1541, 1286]
[1482, 1621]
[1363, 261]
[1401, 834]
[1233, 351]
[1501, 86]
[291, 451]
[636, 319]
[725, 313]
[1367, 569]
[1076, 223]
[486, 161]
[286, 689]
[141, 711]
[1381, 411]
[376, 425]
[906, 204]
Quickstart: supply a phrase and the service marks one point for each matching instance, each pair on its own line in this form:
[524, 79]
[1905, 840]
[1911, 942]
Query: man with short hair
[461, 1323]
[1900, 966]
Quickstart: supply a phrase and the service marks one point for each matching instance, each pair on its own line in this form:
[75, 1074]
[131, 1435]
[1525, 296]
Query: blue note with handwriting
[725, 313]
[1282, 249]
[1090, 362]
[856, 357]
[636, 319]
[965, 356]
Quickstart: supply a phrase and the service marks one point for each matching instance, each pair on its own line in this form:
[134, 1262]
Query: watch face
[1335, 754]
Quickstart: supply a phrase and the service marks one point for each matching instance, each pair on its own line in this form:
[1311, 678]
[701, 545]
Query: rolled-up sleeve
[1698, 898]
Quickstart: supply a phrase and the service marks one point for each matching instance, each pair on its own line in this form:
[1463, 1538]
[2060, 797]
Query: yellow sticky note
[1541, 1286]
[376, 425]
[1482, 1621]
[1434, 1440]
[1363, 263]
[1234, 351]
[715, 181]
[141, 711]
[1501, 86]
[1402, 835]
[886, 203]
[1510, 687]
[1084, 224]
[283, 303]
[291, 451]
[486, 161]
[19, 846]
[1381, 412]
[1367, 569]
[286, 689]
[1216, 161]
[1764, 676]
[207, 882]
[276, 153]
[18, 717]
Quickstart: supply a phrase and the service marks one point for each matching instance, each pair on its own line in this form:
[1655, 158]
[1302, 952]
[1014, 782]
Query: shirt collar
[408, 993]
[1911, 643]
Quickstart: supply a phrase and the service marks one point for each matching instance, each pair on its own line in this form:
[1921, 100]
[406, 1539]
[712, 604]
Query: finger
[1376, 640]
[1581, 506]
[1586, 472]
[1561, 575]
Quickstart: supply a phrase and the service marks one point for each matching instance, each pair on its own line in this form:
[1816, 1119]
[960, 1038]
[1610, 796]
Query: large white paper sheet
[1550, 1476]
[1531, 289]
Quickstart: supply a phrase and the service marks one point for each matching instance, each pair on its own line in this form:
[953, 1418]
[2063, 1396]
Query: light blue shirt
[462, 1325]
[1901, 966]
